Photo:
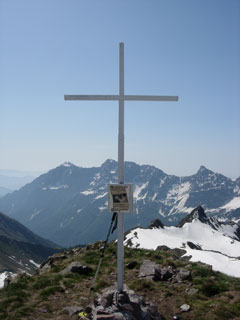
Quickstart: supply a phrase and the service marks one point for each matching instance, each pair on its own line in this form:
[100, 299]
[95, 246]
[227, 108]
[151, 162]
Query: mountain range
[68, 204]
[203, 238]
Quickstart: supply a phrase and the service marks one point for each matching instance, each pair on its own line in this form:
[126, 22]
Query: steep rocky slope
[20, 249]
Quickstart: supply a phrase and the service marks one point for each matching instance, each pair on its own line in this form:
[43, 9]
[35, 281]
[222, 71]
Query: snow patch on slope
[218, 250]
[34, 214]
[87, 192]
[232, 205]
[4, 275]
[35, 263]
[177, 197]
[65, 186]
[138, 190]
[101, 196]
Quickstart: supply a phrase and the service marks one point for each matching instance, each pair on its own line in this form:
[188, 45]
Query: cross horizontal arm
[150, 98]
[117, 97]
[91, 97]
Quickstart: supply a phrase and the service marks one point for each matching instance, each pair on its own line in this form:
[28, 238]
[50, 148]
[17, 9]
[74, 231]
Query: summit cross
[121, 97]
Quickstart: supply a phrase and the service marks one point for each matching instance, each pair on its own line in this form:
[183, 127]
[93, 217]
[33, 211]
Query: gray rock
[131, 265]
[42, 310]
[104, 315]
[193, 245]
[77, 267]
[163, 248]
[6, 282]
[73, 310]
[192, 291]
[166, 273]
[45, 268]
[178, 252]
[183, 274]
[50, 261]
[150, 270]
[185, 307]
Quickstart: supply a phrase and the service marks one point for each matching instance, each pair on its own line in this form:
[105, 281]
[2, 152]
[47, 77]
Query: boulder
[150, 270]
[42, 310]
[131, 265]
[185, 307]
[73, 310]
[50, 262]
[192, 291]
[77, 267]
[193, 245]
[163, 248]
[166, 273]
[178, 252]
[183, 274]
[6, 282]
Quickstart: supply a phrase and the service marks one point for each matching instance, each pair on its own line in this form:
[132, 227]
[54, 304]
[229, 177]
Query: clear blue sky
[188, 48]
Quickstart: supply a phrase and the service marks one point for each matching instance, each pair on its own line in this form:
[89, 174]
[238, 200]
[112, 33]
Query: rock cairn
[126, 305]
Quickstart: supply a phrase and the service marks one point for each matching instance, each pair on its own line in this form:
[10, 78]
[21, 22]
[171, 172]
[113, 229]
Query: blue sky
[187, 48]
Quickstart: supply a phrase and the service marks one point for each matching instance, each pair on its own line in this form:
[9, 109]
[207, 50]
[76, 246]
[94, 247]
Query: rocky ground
[161, 284]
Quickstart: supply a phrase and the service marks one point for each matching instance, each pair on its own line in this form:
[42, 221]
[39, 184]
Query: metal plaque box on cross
[120, 198]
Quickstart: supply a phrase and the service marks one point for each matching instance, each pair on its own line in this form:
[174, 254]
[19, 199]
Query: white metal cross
[121, 98]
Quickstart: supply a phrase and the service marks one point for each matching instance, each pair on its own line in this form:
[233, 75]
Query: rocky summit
[68, 204]
[160, 284]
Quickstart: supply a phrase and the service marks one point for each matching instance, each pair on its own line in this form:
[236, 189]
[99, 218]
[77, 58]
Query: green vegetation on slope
[45, 295]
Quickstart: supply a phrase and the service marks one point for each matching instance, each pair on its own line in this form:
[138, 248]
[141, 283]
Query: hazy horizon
[39, 172]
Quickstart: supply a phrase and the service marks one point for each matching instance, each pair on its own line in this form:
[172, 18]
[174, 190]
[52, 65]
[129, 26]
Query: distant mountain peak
[109, 164]
[67, 164]
[204, 170]
[197, 213]
[157, 223]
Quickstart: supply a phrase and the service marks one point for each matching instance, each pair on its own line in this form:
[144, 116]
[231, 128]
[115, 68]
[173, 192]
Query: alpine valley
[68, 205]
[20, 249]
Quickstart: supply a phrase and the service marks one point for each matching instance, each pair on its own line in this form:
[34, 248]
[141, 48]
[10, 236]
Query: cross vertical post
[120, 247]
[120, 98]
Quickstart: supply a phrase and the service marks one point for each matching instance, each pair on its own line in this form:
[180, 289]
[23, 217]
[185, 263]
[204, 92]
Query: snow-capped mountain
[204, 239]
[68, 205]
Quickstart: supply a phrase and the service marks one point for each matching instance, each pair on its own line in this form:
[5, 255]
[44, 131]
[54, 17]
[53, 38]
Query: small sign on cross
[120, 198]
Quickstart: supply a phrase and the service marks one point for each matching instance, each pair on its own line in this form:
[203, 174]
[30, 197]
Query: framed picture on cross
[120, 198]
